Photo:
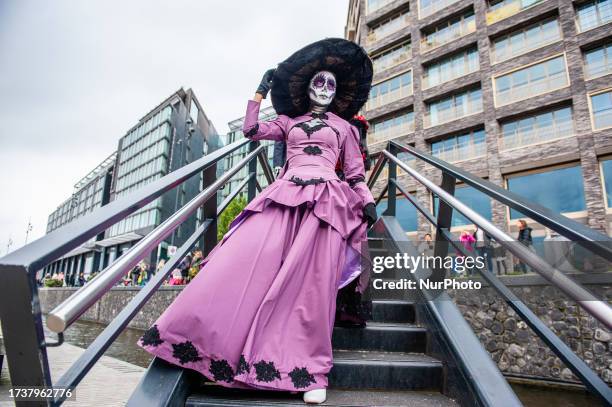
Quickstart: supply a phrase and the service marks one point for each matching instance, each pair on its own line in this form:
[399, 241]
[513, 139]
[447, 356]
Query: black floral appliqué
[151, 337]
[221, 370]
[354, 181]
[266, 372]
[253, 131]
[300, 181]
[311, 127]
[312, 150]
[243, 366]
[185, 352]
[301, 378]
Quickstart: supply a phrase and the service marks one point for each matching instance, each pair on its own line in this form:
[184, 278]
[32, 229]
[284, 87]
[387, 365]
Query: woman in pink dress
[260, 313]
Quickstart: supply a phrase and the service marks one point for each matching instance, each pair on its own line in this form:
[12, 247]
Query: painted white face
[322, 88]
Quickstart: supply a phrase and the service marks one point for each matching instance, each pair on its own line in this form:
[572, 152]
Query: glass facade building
[173, 134]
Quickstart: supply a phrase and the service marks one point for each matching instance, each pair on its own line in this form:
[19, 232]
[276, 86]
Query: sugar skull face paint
[322, 88]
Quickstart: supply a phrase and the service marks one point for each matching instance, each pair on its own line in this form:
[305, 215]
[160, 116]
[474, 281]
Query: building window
[392, 127]
[391, 57]
[538, 128]
[390, 90]
[387, 27]
[525, 40]
[593, 14]
[530, 81]
[373, 5]
[499, 10]
[193, 111]
[606, 173]
[601, 109]
[453, 107]
[428, 7]
[405, 213]
[476, 200]
[453, 67]
[561, 189]
[461, 147]
[449, 31]
[598, 61]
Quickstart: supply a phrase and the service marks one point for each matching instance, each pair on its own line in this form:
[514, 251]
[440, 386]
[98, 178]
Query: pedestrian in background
[524, 237]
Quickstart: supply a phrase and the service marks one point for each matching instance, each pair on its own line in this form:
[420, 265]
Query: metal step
[394, 311]
[216, 396]
[385, 371]
[381, 336]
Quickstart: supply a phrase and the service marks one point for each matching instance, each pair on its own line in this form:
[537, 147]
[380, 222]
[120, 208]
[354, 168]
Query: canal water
[124, 348]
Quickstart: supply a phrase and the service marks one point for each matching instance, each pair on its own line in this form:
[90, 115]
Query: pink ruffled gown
[260, 313]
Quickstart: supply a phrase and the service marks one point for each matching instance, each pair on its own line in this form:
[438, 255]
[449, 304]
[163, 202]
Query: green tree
[228, 215]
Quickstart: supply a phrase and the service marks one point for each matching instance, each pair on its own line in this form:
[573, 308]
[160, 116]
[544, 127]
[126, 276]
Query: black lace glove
[266, 83]
[369, 213]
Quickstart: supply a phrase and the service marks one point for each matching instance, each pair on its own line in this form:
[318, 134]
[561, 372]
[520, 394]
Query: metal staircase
[415, 351]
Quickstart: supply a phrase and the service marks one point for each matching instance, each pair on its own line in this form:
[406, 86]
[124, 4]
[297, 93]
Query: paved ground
[109, 383]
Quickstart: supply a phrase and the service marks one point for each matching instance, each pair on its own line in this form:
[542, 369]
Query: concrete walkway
[109, 383]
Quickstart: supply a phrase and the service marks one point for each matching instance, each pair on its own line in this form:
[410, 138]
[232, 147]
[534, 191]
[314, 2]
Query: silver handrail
[582, 296]
[73, 307]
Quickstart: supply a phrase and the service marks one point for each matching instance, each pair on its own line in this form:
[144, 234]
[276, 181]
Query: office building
[175, 133]
[515, 91]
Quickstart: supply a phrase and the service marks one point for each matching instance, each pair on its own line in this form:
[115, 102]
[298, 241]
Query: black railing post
[444, 221]
[209, 211]
[22, 330]
[391, 188]
[252, 186]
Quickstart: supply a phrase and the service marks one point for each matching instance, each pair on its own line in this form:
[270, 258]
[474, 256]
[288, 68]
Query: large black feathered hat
[346, 60]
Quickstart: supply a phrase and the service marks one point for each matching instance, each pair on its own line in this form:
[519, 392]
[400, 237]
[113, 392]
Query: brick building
[516, 91]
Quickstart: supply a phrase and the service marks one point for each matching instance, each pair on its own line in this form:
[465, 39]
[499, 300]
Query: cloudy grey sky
[75, 75]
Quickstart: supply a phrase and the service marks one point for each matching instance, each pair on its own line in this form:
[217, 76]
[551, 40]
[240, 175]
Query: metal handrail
[597, 242]
[475, 372]
[564, 352]
[73, 307]
[77, 371]
[43, 251]
[573, 290]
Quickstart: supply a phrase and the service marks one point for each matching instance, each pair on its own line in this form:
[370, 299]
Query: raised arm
[263, 130]
[354, 172]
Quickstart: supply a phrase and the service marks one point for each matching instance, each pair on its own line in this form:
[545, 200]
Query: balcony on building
[525, 40]
[392, 127]
[375, 5]
[532, 80]
[539, 128]
[429, 7]
[387, 27]
[391, 57]
[593, 14]
[390, 90]
[598, 61]
[453, 107]
[448, 31]
[452, 67]
[500, 10]
[465, 146]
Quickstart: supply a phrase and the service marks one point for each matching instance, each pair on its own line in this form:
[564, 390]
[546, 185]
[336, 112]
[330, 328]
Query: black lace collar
[319, 115]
